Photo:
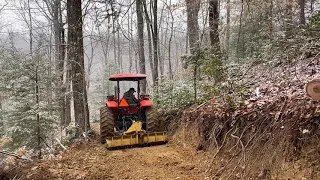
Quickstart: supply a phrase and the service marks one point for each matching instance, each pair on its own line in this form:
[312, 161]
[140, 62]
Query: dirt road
[95, 162]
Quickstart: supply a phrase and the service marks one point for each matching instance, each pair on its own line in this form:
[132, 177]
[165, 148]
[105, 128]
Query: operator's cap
[132, 89]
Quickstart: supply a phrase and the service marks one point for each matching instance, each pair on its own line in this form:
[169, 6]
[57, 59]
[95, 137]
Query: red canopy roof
[127, 77]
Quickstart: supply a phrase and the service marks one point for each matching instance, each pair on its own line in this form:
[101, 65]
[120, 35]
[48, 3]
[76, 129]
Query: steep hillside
[273, 134]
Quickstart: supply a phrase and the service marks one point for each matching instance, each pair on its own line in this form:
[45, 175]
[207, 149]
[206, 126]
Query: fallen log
[313, 88]
[14, 155]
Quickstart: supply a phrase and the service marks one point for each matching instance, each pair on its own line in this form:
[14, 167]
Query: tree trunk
[130, 40]
[136, 60]
[150, 32]
[160, 51]
[214, 24]
[302, 4]
[270, 19]
[67, 89]
[142, 66]
[105, 43]
[76, 57]
[66, 98]
[2, 128]
[155, 41]
[115, 50]
[170, 41]
[59, 60]
[193, 7]
[288, 18]
[119, 51]
[239, 33]
[150, 50]
[228, 28]
[312, 6]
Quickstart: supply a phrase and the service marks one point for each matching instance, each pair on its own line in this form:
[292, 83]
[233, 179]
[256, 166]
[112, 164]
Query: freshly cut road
[94, 161]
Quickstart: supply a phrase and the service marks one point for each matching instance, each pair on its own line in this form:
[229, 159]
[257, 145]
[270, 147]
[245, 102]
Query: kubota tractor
[124, 124]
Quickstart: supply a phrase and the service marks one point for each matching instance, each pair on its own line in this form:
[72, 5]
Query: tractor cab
[118, 101]
[124, 111]
[124, 123]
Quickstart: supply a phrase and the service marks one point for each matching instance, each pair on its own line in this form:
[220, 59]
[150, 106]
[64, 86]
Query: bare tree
[228, 27]
[162, 41]
[302, 16]
[130, 40]
[193, 7]
[142, 65]
[150, 35]
[150, 46]
[288, 20]
[59, 56]
[270, 19]
[214, 23]
[170, 40]
[76, 58]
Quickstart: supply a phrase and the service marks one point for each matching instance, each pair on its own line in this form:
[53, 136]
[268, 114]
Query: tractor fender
[146, 103]
[112, 104]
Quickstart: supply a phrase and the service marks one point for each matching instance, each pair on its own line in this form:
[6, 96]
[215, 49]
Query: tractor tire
[106, 124]
[152, 120]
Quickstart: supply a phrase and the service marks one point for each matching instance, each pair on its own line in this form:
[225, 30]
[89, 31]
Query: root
[255, 137]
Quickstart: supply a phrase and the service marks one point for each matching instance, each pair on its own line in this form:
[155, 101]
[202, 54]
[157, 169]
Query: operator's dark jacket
[129, 96]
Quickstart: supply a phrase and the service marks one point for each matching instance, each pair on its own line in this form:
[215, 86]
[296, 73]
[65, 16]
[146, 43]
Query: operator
[129, 96]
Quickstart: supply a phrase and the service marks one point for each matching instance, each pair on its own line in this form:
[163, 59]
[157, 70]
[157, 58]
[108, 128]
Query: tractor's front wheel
[152, 121]
[106, 124]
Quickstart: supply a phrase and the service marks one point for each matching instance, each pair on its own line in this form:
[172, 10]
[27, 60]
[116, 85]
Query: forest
[224, 75]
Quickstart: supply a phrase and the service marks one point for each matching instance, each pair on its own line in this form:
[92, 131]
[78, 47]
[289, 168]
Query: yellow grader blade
[134, 136]
[134, 128]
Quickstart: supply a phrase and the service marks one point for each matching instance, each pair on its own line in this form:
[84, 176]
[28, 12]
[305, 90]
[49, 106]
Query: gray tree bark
[214, 24]
[76, 58]
[59, 60]
[302, 16]
[228, 28]
[142, 61]
[155, 41]
[150, 31]
[288, 18]
[193, 7]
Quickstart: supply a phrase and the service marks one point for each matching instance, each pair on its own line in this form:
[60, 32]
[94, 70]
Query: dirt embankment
[95, 162]
[274, 135]
[268, 139]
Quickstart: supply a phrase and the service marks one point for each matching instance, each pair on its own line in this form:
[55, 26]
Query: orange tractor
[123, 124]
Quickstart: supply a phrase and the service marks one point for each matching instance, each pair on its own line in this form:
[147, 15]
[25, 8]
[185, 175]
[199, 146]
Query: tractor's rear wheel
[152, 120]
[106, 124]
